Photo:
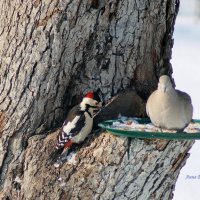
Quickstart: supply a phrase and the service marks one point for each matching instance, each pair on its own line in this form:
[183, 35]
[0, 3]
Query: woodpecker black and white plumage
[78, 124]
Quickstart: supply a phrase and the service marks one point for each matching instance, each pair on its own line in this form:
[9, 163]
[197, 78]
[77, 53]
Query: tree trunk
[53, 51]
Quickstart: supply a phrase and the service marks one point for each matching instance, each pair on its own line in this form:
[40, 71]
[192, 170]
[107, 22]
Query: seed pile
[132, 124]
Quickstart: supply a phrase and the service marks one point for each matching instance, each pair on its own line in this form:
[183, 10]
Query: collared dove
[169, 108]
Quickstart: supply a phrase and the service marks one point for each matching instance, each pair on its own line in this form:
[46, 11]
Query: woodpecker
[169, 108]
[78, 124]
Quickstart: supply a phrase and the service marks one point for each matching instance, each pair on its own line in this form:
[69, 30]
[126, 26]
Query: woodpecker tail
[60, 150]
[55, 155]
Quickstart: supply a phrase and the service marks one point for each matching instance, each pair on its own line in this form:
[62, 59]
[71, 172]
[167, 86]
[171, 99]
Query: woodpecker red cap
[90, 95]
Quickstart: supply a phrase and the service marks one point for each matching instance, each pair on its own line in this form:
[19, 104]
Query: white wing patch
[85, 131]
[70, 125]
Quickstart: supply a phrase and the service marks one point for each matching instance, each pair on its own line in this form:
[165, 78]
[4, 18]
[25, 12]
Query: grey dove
[169, 108]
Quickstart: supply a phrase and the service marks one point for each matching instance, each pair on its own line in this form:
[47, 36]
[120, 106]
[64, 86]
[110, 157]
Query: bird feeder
[148, 134]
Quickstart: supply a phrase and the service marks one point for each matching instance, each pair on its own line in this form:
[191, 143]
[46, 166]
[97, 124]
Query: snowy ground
[186, 66]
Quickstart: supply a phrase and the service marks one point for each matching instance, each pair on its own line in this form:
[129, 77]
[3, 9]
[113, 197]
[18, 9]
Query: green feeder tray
[149, 135]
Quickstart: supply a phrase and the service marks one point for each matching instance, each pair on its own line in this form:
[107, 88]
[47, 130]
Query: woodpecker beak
[97, 108]
[99, 105]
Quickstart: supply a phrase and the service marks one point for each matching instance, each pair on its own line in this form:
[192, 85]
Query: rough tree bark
[52, 51]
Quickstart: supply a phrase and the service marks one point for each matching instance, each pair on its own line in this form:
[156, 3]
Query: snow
[186, 66]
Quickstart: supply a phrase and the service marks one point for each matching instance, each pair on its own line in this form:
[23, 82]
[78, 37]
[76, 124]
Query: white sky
[186, 67]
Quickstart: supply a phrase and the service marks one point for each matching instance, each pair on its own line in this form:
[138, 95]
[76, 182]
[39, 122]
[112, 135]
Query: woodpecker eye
[96, 103]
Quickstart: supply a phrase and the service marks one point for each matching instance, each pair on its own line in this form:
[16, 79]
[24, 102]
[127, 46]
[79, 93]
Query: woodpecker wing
[70, 129]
